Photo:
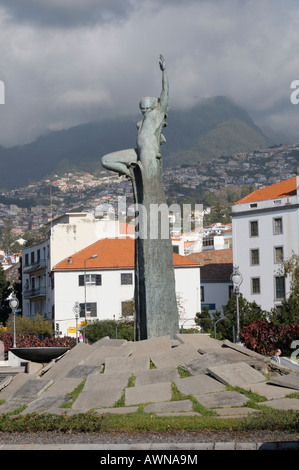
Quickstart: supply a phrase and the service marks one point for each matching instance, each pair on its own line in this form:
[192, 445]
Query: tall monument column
[156, 312]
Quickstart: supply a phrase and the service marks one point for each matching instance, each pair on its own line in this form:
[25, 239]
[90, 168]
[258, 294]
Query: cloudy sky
[67, 62]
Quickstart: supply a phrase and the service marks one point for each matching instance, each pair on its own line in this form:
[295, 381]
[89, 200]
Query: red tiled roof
[112, 253]
[274, 191]
[217, 264]
[213, 256]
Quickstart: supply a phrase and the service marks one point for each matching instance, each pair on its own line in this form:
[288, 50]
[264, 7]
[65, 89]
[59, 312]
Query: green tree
[36, 326]
[205, 319]
[100, 328]
[289, 312]
[17, 287]
[207, 322]
[248, 312]
[6, 235]
[5, 291]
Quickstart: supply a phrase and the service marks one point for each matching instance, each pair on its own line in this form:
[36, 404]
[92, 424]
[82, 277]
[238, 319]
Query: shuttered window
[255, 285]
[91, 279]
[254, 257]
[126, 279]
[91, 309]
[279, 287]
[254, 228]
[277, 226]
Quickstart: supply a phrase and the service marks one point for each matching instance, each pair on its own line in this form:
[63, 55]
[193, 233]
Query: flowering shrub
[29, 341]
[263, 336]
[288, 334]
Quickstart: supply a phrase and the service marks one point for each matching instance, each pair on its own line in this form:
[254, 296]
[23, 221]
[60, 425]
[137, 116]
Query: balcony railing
[38, 292]
[38, 265]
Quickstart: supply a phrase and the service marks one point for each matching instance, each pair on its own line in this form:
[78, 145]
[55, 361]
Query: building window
[209, 306]
[91, 309]
[279, 287]
[228, 242]
[126, 279]
[278, 254]
[91, 279]
[277, 226]
[255, 256]
[255, 285]
[254, 228]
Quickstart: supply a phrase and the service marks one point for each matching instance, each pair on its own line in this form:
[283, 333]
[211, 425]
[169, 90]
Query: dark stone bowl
[39, 354]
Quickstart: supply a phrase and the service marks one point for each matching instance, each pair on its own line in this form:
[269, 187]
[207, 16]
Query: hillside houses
[214, 249]
[32, 206]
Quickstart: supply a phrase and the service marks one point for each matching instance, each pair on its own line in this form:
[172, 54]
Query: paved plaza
[108, 365]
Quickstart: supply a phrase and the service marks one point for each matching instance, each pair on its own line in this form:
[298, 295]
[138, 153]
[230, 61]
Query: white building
[217, 237]
[216, 267]
[265, 226]
[109, 284]
[66, 235]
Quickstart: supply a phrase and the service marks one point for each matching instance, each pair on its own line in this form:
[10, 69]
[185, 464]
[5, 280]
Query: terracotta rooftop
[212, 256]
[217, 264]
[274, 191]
[112, 253]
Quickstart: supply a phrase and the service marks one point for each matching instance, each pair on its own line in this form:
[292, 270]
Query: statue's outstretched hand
[162, 63]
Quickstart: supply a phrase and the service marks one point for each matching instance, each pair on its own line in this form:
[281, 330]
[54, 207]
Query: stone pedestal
[155, 298]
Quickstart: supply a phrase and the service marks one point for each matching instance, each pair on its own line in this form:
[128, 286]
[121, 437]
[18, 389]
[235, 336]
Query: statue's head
[147, 104]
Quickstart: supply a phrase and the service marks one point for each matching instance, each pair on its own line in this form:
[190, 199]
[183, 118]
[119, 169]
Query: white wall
[111, 293]
[216, 293]
[107, 296]
[265, 242]
[187, 285]
[69, 238]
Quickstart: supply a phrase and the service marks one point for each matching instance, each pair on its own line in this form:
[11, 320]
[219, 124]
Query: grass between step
[74, 395]
[270, 419]
[140, 421]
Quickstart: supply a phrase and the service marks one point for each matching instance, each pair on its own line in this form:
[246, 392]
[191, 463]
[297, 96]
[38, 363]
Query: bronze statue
[155, 299]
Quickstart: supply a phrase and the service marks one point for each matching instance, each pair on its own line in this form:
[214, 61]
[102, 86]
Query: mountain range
[213, 127]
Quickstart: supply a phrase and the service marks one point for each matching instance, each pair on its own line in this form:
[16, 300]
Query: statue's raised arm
[164, 98]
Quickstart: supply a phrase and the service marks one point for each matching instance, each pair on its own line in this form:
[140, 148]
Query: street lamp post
[215, 323]
[76, 310]
[91, 257]
[182, 325]
[237, 280]
[14, 303]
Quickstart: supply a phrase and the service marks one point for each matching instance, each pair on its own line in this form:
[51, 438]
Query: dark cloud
[67, 13]
[73, 61]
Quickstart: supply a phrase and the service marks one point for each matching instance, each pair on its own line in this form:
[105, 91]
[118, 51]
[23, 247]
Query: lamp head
[13, 302]
[236, 277]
